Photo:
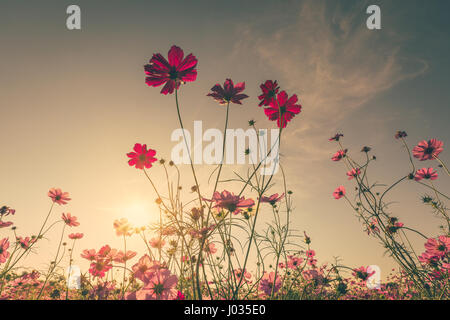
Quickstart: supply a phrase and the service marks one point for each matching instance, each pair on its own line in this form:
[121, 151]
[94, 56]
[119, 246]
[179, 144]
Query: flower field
[213, 245]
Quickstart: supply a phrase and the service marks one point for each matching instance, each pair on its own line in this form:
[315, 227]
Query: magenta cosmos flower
[283, 109]
[158, 285]
[272, 199]
[339, 192]
[228, 201]
[428, 150]
[362, 273]
[267, 283]
[141, 157]
[143, 266]
[58, 196]
[99, 268]
[438, 247]
[229, 92]
[171, 73]
[4, 254]
[353, 173]
[70, 220]
[426, 173]
[336, 137]
[76, 236]
[339, 155]
[269, 90]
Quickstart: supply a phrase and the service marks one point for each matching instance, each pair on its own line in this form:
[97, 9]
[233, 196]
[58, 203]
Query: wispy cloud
[333, 62]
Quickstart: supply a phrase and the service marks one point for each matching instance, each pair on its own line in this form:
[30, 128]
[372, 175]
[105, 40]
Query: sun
[139, 214]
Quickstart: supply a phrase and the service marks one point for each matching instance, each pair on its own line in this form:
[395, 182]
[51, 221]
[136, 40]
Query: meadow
[213, 246]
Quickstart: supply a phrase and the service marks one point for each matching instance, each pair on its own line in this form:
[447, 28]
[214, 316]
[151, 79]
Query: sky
[73, 103]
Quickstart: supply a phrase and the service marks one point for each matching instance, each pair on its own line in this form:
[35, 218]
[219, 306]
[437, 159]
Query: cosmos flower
[438, 247]
[24, 242]
[283, 109]
[272, 199]
[171, 73]
[372, 227]
[6, 211]
[269, 90]
[229, 92]
[353, 173]
[294, 262]
[4, 254]
[157, 243]
[70, 220]
[336, 137]
[210, 248]
[90, 255]
[159, 285]
[238, 273]
[339, 192]
[123, 227]
[425, 173]
[428, 150]
[144, 265]
[141, 157]
[400, 134]
[339, 155]
[5, 224]
[228, 201]
[267, 283]
[99, 268]
[122, 257]
[362, 273]
[58, 196]
[76, 236]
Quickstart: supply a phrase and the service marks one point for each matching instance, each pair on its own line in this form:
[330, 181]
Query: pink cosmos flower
[141, 157]
[267, 283]
[122, 227]
[272, 199]
[5, 224]
[90, 255]
[283, 109]
[336, 137]
[339, 155]
[122, 257]
[353, 173]
[159, 285]
[157, 243]
[76, 236]
[58, 196]
[144, 265]
[269, 90]
[210, 248]
[339, 192]
[238, 273]
[70, 220]
[24, 242]
[425, 173]
[372, 227]
[362, 273]
[229, 92]
[6, 211]
[99, 268]
[438, 247]
[429, 259]
[392, 228]
[294, 262]
[4, 254]
[171, 73]
[428, 150]
[310, 253]
[228, 201]
[180, 296]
